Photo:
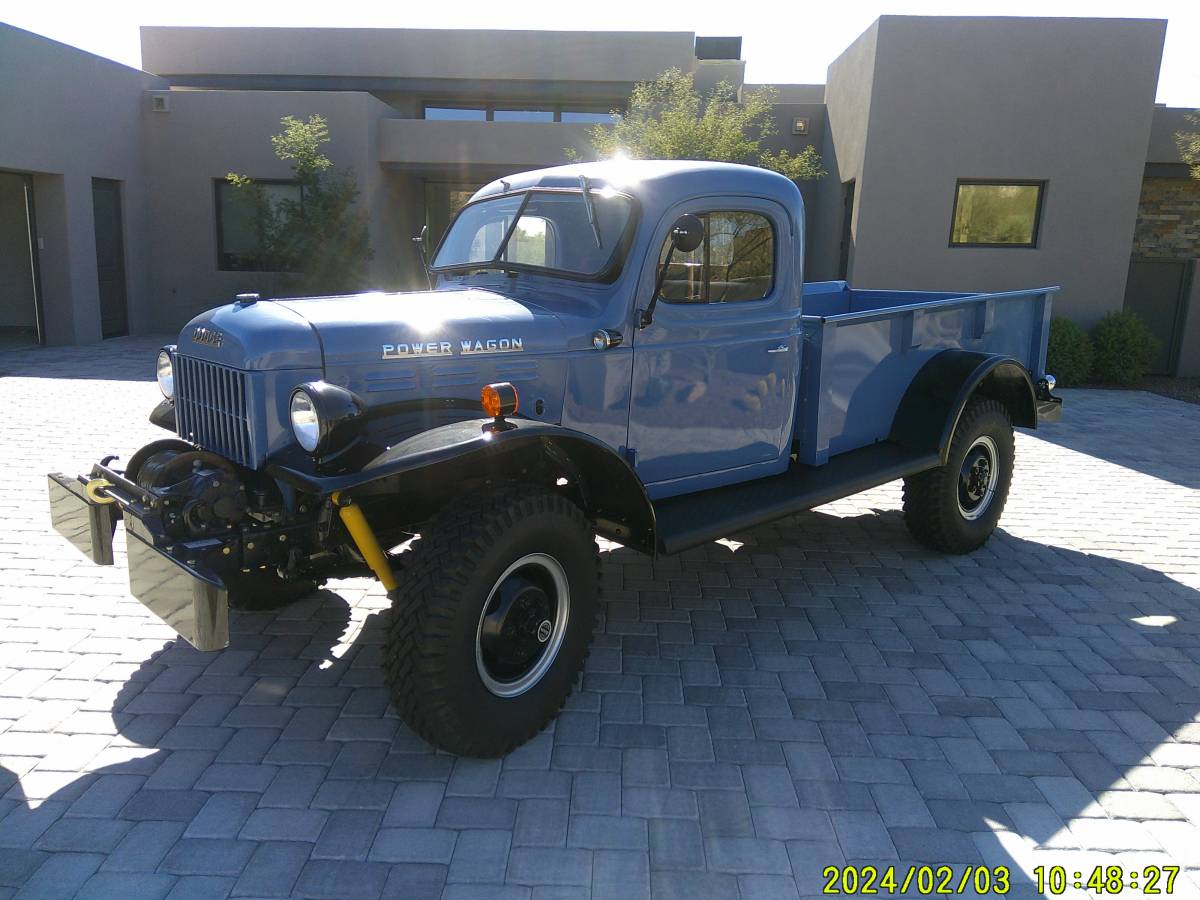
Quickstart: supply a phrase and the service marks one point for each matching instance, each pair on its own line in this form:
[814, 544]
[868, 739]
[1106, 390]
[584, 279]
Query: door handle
[782, 348]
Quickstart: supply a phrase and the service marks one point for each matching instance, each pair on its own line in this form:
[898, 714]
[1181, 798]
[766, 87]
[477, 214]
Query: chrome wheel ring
[978, 477]
[522, 625]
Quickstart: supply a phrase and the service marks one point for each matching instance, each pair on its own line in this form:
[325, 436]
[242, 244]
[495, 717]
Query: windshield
[562, 231]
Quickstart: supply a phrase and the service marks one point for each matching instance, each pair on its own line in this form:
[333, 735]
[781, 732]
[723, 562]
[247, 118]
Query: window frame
[703, 216]
[1035, 237]
[219, 217]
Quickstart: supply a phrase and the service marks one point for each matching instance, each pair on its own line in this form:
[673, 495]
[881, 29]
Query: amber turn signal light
[499, 399]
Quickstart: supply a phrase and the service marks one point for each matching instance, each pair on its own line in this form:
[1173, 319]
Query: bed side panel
[856, 366]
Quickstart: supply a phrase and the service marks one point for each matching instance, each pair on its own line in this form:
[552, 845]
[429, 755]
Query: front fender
[163, 415]
[611, 492]
[931, 407]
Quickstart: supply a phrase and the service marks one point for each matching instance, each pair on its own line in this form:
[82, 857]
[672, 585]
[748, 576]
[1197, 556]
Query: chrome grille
[211, 410]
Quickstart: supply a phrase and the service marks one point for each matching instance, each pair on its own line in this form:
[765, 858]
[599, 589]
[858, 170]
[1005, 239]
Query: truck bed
[862, 348]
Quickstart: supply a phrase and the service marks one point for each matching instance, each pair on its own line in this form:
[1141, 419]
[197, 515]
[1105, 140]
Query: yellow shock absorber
[365, 541]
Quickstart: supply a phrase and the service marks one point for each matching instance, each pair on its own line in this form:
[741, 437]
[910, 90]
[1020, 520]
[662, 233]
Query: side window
[736, 261]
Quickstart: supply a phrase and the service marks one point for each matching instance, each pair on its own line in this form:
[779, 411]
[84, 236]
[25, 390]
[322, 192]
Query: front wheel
[956, 507]
[493, 620]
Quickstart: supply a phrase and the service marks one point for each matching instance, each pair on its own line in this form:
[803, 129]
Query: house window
[533, 112]
[523, 115]
[735, 262]
[587, 117]
[996, 214]
[243, 239]
[456, 113]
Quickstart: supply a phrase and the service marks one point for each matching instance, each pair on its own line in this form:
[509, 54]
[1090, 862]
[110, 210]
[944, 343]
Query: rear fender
[442, 459]
[931, 407]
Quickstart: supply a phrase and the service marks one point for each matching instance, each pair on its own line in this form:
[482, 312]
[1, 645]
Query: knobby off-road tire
[955, 508]
[493, 619]
[262, 590]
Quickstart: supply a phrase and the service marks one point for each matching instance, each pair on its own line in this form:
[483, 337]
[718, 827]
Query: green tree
[668, 118]
[320, 241]
[1189, 144]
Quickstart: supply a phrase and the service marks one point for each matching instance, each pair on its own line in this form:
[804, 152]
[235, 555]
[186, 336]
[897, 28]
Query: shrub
[1124, 348]
[1069, 354]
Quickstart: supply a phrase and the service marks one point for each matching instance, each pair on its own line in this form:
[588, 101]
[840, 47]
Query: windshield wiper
[591, 211]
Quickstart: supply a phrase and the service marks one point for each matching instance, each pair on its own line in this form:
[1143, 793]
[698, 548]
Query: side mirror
[687, 233]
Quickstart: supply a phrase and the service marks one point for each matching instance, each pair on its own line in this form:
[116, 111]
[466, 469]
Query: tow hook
[95, 491]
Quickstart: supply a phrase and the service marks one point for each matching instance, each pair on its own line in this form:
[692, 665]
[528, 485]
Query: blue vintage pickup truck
[625, 349]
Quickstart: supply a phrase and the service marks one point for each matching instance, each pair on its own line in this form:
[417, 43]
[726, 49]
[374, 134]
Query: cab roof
[659, 183]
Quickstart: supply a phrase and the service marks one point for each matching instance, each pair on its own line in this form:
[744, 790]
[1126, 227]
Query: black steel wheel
[493, 619]
[977, 478]
[956, 507]
[522, 625]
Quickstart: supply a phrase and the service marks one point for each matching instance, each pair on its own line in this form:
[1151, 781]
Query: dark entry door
[847, 230]
[110, 257]
[1157, 291]
[20, 319]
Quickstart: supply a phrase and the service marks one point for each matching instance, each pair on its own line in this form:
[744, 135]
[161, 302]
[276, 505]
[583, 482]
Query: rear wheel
[493, 620]
[956, 507]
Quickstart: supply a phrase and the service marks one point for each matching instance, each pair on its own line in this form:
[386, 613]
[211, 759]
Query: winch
[201, 492]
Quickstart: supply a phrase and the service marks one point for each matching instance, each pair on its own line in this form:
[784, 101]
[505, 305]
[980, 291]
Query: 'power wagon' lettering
[466, 347]
[493, 345]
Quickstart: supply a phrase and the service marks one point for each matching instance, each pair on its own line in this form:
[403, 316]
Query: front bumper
[169, 577]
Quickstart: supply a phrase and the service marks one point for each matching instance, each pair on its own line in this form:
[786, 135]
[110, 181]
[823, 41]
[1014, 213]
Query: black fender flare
[163, 415]
[611, 493]
[934, 402]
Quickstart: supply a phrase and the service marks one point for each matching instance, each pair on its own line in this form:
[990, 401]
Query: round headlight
[306, 424]
[166, 374]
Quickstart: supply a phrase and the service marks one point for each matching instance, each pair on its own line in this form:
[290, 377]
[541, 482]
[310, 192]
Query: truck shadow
[1153, 447]
[977, 704]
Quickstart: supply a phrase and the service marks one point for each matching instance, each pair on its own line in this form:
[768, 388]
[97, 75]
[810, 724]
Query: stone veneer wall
[1168, 223]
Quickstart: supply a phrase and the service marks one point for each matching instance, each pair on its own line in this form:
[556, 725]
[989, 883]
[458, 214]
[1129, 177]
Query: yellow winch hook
[93, 489]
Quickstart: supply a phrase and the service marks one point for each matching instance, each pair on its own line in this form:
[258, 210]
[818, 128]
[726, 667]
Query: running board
[689, 520]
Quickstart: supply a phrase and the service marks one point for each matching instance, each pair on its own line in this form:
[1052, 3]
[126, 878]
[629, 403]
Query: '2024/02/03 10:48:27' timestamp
[944, 880]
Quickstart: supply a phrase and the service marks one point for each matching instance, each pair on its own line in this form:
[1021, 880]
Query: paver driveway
[816, 690]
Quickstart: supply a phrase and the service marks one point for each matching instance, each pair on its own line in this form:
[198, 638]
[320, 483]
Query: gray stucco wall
[502, 147]
[69, 117]
[416, 53]
[1000, 98]
[843, 147]
[207, 134]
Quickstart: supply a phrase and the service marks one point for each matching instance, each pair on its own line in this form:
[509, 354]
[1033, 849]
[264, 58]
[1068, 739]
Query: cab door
[714, 374]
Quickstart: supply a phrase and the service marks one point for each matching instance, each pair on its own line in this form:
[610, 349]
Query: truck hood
[370, 329]
[394, 327]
